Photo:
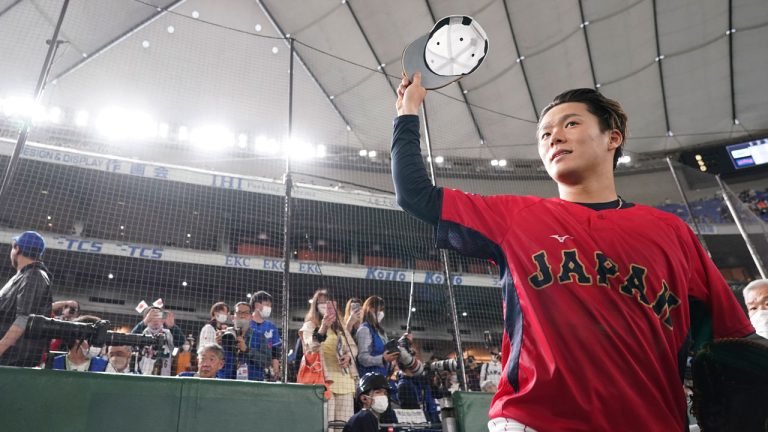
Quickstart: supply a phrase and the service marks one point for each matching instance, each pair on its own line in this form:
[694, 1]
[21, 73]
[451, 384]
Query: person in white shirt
[491, 371]
[219, 316]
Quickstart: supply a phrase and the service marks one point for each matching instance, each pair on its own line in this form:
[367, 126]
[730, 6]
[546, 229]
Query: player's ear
[615, 139]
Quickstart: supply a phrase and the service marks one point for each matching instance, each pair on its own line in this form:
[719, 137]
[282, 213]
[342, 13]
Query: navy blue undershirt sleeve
[413, 188]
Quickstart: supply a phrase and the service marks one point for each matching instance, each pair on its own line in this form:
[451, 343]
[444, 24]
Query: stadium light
[372, 154]
[502, 162]
[23, 108]
[495, 162]
[54, 115]
[183, 133]
[321, 151]
[266, 145]
[121, 123]
[81, 118]
[298, 149]
[625, 159]
[162, 130]
[439, 159]
[111, 276]
[363, 153]
[212, 137]
[242, 140]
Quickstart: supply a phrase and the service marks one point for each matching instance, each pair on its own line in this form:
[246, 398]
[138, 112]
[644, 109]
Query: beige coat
[311, 345]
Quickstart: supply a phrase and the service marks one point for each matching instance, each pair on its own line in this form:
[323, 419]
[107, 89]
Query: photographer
[154, 320]
[371, 338]
[234, 342]
[81, 356]
[27, 292]
[169, 322]
[323, 333]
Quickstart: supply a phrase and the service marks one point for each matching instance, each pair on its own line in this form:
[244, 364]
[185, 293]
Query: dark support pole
[448, 278]
[287, 227]
[41, 80]
[9, 7]
[688, 207]
[659, 59]
[744, 234]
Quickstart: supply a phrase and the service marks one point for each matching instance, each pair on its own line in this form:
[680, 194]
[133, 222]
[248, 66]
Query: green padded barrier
[471, 410]
[209, 405]
[46, 400]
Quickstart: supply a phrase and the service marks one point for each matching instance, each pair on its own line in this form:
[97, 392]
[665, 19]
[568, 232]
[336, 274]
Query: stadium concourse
[218, 174]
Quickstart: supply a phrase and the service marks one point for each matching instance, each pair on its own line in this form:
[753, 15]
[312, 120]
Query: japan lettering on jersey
[595, 307]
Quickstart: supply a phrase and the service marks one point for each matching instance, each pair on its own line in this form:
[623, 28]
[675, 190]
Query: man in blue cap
[28, 292]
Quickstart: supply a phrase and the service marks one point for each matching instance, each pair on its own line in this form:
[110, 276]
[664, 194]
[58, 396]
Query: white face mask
[266, 311]
[91, 352]
[242, 323]
[221, 318]
[380, 402]
[380, 316]
[760, 321]
[323, 309]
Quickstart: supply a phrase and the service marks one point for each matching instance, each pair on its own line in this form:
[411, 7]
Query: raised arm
[413, 188]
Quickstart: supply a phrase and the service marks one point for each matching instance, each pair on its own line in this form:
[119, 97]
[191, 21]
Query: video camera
[97, 334]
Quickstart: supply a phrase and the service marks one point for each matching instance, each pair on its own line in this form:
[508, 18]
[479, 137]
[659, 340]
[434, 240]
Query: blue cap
[30, 243]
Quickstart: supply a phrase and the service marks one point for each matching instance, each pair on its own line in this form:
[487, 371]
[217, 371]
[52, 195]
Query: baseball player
[596, 289]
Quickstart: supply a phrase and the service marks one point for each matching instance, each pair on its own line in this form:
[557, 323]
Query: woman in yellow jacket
[323, 332]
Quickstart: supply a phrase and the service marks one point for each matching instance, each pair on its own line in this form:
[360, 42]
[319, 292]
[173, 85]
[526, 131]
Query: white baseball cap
[454, 47]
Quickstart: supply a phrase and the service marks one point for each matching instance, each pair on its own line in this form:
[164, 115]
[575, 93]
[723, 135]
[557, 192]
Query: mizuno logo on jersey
[561, 239]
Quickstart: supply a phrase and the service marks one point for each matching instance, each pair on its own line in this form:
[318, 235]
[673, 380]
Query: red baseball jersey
[596, 308]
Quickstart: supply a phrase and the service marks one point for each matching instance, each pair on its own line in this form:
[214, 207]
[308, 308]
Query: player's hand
[410, 95]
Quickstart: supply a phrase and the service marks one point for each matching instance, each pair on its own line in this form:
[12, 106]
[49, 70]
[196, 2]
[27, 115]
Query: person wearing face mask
[264, 346]
[370, 338]
[155, 320]
[81, 356]
[169, 322]
[322, 332]
[491, 371]
[373, 391]
[183, 360]
[218, 322]
[756, 299]
[119, 357]
[236, 353]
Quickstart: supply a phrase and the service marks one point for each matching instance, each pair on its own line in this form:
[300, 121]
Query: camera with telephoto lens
[229, 338]
[449, 365]
[97, 334]
[408, 360]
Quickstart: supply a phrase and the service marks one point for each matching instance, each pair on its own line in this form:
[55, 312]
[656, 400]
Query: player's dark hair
[260, 297]
[609, 113]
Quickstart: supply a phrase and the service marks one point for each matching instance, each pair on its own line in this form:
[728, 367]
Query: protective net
[156, 172]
